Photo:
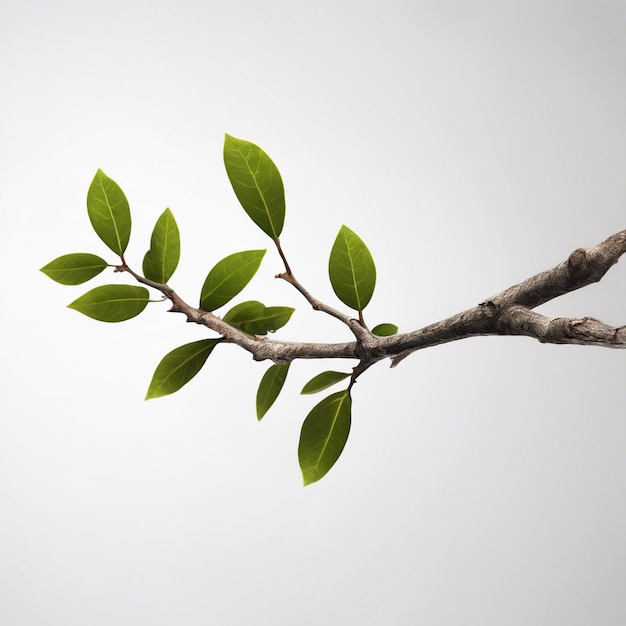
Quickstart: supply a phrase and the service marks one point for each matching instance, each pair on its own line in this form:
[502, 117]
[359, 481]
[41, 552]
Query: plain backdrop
[471, 144]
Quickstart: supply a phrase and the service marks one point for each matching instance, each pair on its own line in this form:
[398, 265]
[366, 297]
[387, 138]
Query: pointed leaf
[109, 212]
[228, 277]
[257, 184]
[179, 366]
[275, 317]
[269, 387]
[112, 303]
[243, 312]
[323, 381]
[351, 269]
[162, 258]
[324, 435]
[74, 269]
[255, 318]
[384, 330]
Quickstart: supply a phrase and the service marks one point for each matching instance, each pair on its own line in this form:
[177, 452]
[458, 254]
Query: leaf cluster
[258, 186]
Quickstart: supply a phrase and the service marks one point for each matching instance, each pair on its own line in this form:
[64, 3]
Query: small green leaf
[74, 269]
[255, 318]
[257, 184]
[228, 277]
[109, 212]
[323, 381]
[324, 435]
[179, 366]
[112, 303]
[162, 258]
[269, 387]
[384, 330]
[351, 269]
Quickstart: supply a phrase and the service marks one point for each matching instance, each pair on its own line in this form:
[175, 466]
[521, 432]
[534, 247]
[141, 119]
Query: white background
[471, 144]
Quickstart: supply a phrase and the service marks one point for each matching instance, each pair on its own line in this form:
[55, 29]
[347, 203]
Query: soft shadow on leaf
[228, 277]
[109, 212]
[257, 184]
[112, 303]
[323, 381]
[74, 269]
[351, 270]
[269, 387]
[162, 258]
[179, 366]
[255, 318]
[324, 434]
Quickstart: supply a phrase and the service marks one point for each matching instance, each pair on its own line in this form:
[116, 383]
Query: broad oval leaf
[179, 366]
[324, 434]
[162, 258]
[275, 317]
[323, 381]
[74, 269]
[257, 184]
[112, 303]
[255, 318]
[109, 212]
[384, 330]
[269, 387]
[351, 269]
[243, 312]
[228, 277]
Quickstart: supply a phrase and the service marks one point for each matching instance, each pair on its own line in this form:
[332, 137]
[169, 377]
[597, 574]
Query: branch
[583, 267]
[360, 332]
[587, 331]
[508, 313]
[356, 326]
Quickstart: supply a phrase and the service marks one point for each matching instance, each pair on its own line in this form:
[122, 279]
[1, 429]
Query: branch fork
[507, 313]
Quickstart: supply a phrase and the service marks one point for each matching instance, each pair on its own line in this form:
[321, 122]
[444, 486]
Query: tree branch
[507, 313]
[360, 332]
[356, 326]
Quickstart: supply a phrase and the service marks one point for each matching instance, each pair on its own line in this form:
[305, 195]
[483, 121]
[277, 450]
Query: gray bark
[507, 313]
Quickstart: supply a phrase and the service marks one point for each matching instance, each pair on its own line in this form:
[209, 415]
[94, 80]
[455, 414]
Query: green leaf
[323, 381]
[255, 318]
[324, 435]
[112, 303]
[351, 269]
[109, 212]
[179, 366]
[384, 330]
[257, 184]
[229, 277]
[161, 260]
[74, 269]
[269, 387]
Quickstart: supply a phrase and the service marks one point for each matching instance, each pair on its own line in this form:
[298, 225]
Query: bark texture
[507, 313]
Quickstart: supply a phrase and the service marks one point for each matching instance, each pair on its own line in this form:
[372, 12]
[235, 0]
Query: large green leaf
[179, 366]
[384, 330]
[257, 184]
[323, 381]
[109, 212]
[228, 277]
[74, 269]
[269, 387]
[112, 303]
[324, 435]
[351, 269]
[255, 318]
[162, 258]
